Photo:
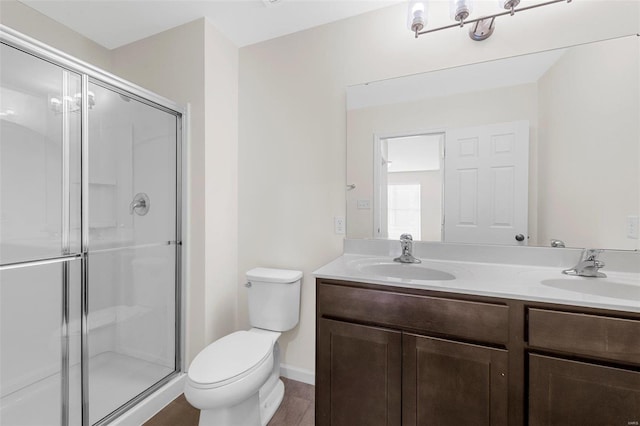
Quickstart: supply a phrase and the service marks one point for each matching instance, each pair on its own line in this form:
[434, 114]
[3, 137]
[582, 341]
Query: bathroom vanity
[407, 352]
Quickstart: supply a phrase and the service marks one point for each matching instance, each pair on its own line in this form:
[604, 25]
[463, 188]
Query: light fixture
[417, 18]
[461, 10]
[508, 4]
[69, 103]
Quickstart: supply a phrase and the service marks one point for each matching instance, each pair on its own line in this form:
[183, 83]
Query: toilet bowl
[226, 378]
[235, 381]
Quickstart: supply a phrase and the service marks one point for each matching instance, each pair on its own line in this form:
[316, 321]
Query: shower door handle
[140, 204]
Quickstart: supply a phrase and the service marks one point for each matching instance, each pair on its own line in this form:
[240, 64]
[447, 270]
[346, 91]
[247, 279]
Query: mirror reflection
[540, 149]
[408, 172]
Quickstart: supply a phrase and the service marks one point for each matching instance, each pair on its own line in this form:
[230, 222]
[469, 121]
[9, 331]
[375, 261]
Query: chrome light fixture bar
[460, 10]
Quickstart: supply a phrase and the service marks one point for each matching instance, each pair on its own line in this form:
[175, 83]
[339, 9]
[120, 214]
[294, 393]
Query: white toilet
[235, 381]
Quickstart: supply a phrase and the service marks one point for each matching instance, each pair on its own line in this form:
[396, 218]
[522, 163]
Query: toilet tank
[274, 298]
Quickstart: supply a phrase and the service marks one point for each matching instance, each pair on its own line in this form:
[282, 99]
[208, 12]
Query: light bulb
[460, 9]
[417, 16]
[508, 4]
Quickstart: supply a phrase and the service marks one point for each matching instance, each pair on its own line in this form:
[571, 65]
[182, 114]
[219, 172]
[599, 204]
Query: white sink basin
[597, 286]
[388, 269]
[409, 271]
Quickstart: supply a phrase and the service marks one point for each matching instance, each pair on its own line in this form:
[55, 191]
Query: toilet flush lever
[248, 284]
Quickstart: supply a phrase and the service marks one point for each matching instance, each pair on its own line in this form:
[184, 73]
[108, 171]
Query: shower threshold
[114, 379]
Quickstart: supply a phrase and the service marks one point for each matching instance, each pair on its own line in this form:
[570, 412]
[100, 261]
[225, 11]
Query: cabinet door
[563, 392]
[451, 383]
[358, 375]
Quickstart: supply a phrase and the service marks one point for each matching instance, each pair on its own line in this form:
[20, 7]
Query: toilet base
[270, 402]
[256, 410]
[246, 413]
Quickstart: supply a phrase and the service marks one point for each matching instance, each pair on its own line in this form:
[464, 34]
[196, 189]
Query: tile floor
[297, 409]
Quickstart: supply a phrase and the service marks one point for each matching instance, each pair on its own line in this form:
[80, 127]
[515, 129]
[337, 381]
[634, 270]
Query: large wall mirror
[541, 149]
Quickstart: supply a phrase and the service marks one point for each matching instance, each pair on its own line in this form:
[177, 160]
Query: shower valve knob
[140, 204]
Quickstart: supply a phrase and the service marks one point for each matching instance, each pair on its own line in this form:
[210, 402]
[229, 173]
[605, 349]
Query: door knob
[519, 237]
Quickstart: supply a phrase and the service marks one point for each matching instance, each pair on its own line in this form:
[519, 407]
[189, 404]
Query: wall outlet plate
[339, 226]
[364, 204]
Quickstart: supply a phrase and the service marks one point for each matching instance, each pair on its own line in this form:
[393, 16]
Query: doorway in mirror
[408, 175]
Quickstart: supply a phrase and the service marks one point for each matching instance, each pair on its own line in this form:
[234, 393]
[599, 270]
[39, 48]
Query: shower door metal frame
[89, 72]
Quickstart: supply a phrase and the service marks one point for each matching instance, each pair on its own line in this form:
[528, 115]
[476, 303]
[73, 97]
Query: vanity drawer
[583, 334]
[485, 322]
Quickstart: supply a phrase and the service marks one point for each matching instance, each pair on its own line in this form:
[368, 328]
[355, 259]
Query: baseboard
[298, 374]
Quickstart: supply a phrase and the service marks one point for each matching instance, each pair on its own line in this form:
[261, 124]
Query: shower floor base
[114, 379]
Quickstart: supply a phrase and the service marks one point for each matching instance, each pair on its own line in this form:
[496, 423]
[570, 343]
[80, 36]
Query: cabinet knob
[519, 237]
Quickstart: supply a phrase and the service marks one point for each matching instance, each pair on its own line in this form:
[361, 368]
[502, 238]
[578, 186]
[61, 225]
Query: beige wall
[293, 126]
[221, 177]
[600, 201]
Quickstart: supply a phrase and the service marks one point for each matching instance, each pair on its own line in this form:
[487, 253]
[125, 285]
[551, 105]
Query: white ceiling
[114, 23]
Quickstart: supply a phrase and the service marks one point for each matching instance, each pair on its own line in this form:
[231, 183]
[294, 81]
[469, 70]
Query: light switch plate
[632, 227]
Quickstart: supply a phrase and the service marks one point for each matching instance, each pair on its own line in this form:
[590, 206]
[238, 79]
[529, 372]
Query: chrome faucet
[588, 265]
[406, 242]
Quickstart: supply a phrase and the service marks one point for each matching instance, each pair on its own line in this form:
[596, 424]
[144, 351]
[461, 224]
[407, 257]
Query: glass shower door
[131, 251]
[89, 239]
[39, 241]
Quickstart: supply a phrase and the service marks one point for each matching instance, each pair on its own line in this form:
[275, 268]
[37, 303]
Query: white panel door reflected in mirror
[486, 183]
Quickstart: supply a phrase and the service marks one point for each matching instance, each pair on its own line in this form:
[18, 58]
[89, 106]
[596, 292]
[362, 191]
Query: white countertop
[523, 282]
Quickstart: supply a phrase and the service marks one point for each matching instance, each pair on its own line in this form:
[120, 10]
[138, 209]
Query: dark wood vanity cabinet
[377, 365]
[567, 392]
[453, 383]
[395, 356]
[360, 375]
[587, 372]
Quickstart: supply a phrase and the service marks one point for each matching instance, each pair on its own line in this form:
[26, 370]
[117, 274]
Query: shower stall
[90, 239]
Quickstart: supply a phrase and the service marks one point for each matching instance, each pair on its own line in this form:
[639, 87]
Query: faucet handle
[406, 237]
[140, 204]
[592, 254]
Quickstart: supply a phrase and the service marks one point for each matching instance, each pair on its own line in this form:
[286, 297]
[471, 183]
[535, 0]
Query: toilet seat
[230, 359]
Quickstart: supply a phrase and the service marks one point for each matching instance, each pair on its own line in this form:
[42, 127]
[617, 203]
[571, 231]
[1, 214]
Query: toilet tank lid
[271, 275]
